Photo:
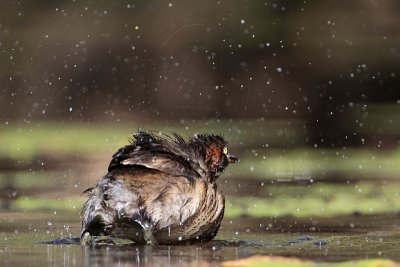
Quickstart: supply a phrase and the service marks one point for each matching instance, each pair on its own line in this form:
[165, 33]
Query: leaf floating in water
[286, 261]
[268, 260]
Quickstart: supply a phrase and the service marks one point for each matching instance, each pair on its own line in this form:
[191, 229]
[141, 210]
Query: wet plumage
[160, 189]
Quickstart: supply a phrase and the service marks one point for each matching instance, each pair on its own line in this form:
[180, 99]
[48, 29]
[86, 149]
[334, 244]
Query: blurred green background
[306, 92]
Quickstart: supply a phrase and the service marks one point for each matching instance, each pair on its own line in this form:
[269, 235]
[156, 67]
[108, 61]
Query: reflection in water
[63, 256]
[208, 254]
[149, 256]
[375, 236]
[331, 238]
[145, 256]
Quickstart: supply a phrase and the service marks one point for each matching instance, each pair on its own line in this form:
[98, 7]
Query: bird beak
[232, 158]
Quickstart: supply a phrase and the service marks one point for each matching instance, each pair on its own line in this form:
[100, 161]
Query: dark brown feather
[159, 189]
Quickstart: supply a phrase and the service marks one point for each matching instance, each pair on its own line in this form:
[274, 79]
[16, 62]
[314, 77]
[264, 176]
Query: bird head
[214, 150]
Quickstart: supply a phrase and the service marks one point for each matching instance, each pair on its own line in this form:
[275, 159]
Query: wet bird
[159, 190]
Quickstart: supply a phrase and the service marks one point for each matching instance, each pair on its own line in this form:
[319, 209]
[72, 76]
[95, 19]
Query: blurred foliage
[315, 200]
[21, 142]
[305, 163]
[46, 203]
[26, 180]
[18, 140]
[318, 200]
[259, 144]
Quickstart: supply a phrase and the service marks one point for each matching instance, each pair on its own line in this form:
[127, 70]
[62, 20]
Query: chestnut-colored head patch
[213, 156]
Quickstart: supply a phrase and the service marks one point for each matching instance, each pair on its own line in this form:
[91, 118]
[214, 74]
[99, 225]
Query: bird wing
[153, 159]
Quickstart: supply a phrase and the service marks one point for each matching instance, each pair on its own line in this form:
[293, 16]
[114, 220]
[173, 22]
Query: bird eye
[225, 151]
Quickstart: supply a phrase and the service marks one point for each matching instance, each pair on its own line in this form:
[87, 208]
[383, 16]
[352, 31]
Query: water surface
[343, 238]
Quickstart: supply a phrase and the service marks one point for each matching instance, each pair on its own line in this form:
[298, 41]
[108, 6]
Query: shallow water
[323, 222]
[328, 239]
